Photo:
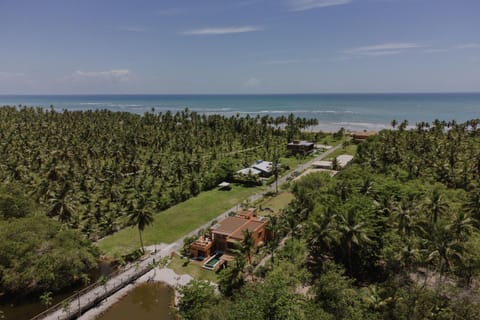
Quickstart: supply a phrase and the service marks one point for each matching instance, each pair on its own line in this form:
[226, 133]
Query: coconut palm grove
[394, 235]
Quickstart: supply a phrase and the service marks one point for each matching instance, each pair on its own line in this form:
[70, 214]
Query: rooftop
[264, 166]
[234, 226]
[322, 164]
[248, 171]
[251, 226]
[300, 143]
[344, 159]
[229, 225]
[363, 133]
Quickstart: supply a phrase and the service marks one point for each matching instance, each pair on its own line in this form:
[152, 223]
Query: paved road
[179, 243]
[86, 300]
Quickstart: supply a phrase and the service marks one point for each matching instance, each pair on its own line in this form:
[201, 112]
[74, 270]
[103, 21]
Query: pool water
[212, 262]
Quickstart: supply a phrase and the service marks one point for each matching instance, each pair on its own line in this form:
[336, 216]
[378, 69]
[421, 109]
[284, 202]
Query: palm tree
[444, 251]
[405, 218]
[367, 186]
[407, 256]
[232, 277]
[461, 226]
[435, 205]
[353, 234]
[335, 164]
[273, 227]
[276, 170]
[394, 123]
[343, 189]
[322, 236]
[289, 220]
[472, 205]
[63, 205]
[140, 214]
[247, 244]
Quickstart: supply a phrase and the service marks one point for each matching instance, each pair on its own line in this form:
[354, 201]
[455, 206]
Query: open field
[277, 202]
[350, 149]
[293, 162]
[331, 141]
[193, 268]
[177, 221]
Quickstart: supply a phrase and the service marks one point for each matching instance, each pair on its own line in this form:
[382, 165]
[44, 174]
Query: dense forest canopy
[87, 168]
[69, 177]
[36, 253]
[393, 236]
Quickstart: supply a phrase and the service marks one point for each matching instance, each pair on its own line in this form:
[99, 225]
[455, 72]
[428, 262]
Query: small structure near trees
[225, 186]
[300, 147]
[361, 136]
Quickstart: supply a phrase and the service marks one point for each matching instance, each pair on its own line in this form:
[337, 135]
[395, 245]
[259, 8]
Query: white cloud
[471, 45]
[252, 83]
[10, 75]
[302, 5]
[383, 49]
[110, 75]
[222, 30]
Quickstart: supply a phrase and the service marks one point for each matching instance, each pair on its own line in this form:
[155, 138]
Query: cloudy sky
[238, 46]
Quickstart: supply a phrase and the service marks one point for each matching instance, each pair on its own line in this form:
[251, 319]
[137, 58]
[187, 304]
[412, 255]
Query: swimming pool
[213, 262]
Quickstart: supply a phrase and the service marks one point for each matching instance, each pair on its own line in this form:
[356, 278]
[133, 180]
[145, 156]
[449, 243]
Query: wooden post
[79, 310]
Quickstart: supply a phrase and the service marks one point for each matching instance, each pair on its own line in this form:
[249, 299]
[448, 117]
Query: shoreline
[349, 127]
[323, 126]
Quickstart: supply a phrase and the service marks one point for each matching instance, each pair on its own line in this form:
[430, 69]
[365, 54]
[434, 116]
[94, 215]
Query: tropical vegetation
[393, 236]
[69, 178]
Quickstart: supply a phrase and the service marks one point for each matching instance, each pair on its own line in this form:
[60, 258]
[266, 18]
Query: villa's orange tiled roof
[233, 227]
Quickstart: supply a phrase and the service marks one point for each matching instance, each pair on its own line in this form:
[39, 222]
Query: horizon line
[239, 94]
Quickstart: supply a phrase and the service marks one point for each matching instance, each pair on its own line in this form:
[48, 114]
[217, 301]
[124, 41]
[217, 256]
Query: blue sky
[241, 46]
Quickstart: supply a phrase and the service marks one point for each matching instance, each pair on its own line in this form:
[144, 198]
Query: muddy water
[147, 301]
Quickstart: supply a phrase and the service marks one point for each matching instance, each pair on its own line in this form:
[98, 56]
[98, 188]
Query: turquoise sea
[351, 111]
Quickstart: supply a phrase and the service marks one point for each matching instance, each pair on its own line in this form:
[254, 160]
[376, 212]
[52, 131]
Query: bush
[132, 256]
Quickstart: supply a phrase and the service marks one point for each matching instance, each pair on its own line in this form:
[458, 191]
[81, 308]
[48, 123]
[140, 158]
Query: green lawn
[193, 268]
[293, 162]
[177, 221]
[350, 149]
[329, 140]
[277, 202]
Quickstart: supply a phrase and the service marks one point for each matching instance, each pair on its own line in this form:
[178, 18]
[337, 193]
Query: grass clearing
[177, 221]
[351, 149]
[193, 268]
[293, 162]
[277, 202]
[331, 141]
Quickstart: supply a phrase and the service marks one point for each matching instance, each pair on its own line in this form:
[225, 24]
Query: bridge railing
[66, 303]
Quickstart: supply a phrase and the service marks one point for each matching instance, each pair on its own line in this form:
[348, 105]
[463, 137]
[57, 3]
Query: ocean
[333, 111]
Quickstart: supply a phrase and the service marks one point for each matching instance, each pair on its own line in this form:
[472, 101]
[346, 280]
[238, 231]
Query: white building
[344, 159]
[323, 164]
